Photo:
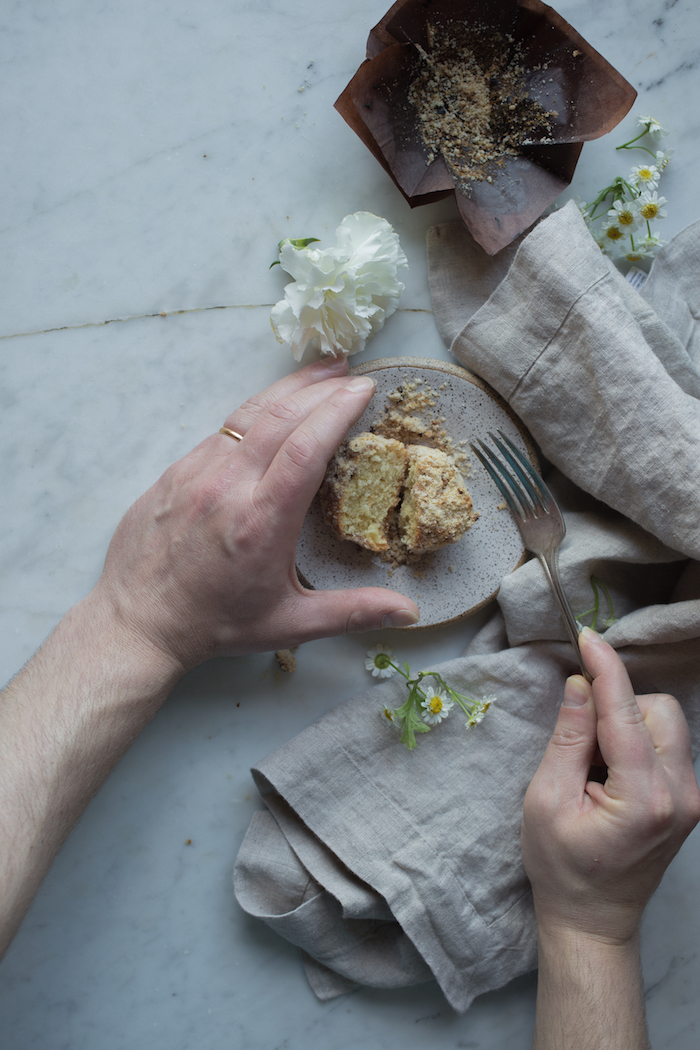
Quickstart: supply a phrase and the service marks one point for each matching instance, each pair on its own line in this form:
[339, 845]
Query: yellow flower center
[625, 218]
[650, 210]
[435, 705]
[613, 233]
[389, 715]
[645, 174]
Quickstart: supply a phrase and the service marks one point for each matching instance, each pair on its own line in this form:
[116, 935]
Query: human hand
[203, 564]
[595, 853]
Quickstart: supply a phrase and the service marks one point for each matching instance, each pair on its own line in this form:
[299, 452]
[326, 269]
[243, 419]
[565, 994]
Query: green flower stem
[595, 583]
[617, 190]
[606, 592]
[649, 151]
[626, 145]
[596, 607]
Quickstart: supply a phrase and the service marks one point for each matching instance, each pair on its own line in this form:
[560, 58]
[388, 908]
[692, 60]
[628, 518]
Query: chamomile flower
[644, 176]
[652, 243]
[625, 214]
[436, 706]
[634, 255]
[663, 157]
[653, 127]
[479, 711]
[389, 719]
[379, 661]
[611, 234]
[651, 206]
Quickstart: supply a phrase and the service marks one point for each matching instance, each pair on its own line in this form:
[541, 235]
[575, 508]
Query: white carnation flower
[341, 295]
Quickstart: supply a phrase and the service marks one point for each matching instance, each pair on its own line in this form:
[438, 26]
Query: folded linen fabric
[387, 867]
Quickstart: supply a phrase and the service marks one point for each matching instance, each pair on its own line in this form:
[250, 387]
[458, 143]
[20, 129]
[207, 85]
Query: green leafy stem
[595, 609]
[409, 716]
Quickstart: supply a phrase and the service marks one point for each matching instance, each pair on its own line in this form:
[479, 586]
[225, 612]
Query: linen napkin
[386, 867]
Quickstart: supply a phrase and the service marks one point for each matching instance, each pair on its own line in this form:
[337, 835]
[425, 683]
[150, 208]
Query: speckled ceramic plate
[453, 582]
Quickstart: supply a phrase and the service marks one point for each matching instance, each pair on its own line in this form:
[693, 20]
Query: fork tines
[536, 495]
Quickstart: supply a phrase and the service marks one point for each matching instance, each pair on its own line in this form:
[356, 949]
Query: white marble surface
[153, 155]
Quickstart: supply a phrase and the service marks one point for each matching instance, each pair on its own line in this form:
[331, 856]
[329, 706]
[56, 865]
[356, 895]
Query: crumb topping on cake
[397, 500]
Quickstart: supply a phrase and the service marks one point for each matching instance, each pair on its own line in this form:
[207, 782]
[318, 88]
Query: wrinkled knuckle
[254, 406]
[285, 410]
[302, 450]
[566, 737]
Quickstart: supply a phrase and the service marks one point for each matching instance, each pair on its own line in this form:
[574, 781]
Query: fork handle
[550, 565]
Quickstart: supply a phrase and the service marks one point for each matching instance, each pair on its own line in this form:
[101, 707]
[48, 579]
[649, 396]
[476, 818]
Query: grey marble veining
[153, 155]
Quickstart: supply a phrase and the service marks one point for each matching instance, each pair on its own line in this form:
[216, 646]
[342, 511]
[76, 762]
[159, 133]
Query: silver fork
[538, 518]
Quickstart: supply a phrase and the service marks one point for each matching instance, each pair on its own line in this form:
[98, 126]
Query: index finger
[297, 469]
[623, 736]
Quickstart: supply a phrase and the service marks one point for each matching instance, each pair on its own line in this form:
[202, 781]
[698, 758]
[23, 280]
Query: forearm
[589, 994]
[65, 721]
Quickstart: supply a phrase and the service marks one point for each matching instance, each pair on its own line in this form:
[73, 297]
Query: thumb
[328, 613]
[567, 759]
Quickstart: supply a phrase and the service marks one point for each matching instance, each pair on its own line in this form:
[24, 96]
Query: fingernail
[360, 383]
[589, 635]
[576, 692]
[400, 618]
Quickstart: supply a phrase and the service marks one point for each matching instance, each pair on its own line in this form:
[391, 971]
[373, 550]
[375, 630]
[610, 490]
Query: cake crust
[371, 475]
[436, 508]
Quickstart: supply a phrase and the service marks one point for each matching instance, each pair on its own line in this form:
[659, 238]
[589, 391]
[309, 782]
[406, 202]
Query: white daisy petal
[389, 719]
[654, 128]
[625, 214]
[644, 176]
[479, 711]
[378, 661]
[651, 206]
[436, 706]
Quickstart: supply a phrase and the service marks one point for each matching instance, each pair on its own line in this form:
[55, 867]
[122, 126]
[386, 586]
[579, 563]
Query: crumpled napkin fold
[388, 867]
